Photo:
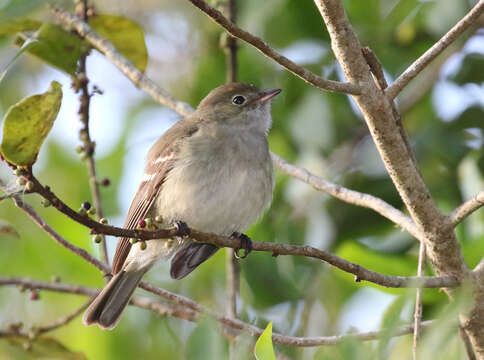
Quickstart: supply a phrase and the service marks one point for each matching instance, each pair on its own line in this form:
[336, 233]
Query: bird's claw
[181, 228]
[245, 243]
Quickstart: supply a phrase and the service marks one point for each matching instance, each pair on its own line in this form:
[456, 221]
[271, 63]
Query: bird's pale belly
[223, 200]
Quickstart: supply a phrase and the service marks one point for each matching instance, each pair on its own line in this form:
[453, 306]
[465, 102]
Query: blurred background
[442, 110]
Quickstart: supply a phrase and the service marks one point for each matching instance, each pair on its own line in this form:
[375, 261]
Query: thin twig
[63, 320]
[467, 208]
[418, 65]
[81, 84]
[418, 303]
[183, 312]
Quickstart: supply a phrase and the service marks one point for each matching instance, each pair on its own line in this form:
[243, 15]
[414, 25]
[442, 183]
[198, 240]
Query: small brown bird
[212, 170]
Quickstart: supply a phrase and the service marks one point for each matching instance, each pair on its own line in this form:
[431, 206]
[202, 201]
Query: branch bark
[466, 209]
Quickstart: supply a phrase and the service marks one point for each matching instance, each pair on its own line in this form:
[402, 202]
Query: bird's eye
[238, 100]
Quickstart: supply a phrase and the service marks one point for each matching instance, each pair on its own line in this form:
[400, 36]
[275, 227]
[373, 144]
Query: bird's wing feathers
[159, 162]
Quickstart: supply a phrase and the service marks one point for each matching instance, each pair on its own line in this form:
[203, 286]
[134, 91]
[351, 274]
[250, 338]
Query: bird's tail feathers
[109, 304]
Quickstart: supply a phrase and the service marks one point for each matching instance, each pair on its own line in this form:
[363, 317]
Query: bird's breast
[218, 184]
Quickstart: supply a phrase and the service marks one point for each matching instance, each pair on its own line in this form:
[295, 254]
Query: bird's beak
[265, 96]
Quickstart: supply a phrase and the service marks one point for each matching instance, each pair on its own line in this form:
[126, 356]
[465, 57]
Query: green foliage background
[315, 129]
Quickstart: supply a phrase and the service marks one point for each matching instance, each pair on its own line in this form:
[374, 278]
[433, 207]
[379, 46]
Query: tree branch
[105, 47]
[125, 66]
[189, 314]
[419, 64]
[29, 210]
[80, 84]
[350, 196]
[442, 247]
[360, 272]
[466, 209]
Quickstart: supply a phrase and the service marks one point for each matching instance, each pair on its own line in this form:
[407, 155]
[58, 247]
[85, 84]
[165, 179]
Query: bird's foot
[181, 228]
[245, 244]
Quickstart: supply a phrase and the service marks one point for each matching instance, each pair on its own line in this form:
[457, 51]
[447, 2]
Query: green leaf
[18, 25]
[57, 47]
[126, 35]
[22, 348]
[27, 124]
[263, 347]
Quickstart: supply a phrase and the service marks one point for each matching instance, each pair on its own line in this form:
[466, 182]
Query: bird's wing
[159, 162]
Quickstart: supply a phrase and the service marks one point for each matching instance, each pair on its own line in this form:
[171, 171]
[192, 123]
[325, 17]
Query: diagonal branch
[349, 196]
[29, 210]
[467, 208]
[128, 69]
[413, 70]
[108, 50]
[265, 49]
[187, 313]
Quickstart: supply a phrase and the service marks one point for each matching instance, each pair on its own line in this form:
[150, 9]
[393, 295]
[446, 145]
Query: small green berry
[159, 219]
[133, 241]
[148, 222]
[142, 245]
[91, 211]
[45, 203]
[29, 185]
[97, 238]
[17, 172]
[79, 149]
[82, 211]
[103, 221]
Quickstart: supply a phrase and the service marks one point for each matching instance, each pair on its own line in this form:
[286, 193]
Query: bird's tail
[107, 307]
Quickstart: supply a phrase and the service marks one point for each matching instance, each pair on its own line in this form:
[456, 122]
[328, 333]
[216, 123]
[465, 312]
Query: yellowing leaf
[263, 347]
[57, 47]
[27, 124]
[126, 35]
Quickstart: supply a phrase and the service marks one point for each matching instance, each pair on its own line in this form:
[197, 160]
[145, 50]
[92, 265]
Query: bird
[211, 171]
